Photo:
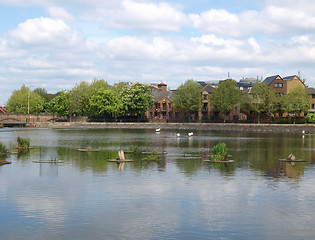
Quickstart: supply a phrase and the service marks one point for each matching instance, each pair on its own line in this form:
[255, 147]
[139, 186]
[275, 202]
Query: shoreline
[184, 126]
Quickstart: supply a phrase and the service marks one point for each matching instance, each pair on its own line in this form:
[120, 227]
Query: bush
[3, 149]
[219, 152]
[310, 117]
[23, 142]
[282, 121]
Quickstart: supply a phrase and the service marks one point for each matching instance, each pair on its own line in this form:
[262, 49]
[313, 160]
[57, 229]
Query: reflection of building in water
[48, 169]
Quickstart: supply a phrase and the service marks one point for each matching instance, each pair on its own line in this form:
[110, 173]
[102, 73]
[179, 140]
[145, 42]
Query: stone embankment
[186, 126]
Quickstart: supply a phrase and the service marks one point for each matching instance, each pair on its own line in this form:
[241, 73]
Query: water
[178, 197]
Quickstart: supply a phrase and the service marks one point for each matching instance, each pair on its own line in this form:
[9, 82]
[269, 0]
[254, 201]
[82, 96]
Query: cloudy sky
[56, 44]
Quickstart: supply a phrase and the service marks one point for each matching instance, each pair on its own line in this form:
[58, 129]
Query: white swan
[158, 129]
[178, 134]
[190, 134]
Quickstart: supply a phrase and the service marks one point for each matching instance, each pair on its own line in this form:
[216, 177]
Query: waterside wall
[186, 126]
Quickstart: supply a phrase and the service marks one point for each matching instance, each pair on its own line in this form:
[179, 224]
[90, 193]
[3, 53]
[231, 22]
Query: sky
[56, 44]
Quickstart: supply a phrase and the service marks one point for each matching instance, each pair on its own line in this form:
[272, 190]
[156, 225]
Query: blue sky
[56, 44]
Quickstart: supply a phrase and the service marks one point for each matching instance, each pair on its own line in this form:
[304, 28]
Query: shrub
[219, 152]
[283, 121]
[3, 149]
[23, 142]
[310, 117]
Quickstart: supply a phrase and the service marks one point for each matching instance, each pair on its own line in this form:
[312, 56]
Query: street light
[28, 99]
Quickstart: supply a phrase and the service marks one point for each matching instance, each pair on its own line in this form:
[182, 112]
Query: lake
[178, 196]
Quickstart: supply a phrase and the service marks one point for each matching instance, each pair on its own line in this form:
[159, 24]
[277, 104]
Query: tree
[106, 102]
[137, 99]
[225, 96]
[262, 99]
[60, 104]
[296, 102]
[25, 101]
[80, 95]
[187, 97]
[119, 87]
[44, 94]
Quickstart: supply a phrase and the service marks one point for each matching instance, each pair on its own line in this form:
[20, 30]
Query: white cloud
[60, 13]
[217, 21]
[140, 16]
[45, 32]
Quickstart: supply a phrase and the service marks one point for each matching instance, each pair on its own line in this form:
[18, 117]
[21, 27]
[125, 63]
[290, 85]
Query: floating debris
[47, 161]
[88, 150]
[292, 158]
[120, 158]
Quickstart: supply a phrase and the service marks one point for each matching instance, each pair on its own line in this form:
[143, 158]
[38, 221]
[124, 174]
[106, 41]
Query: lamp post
[28, 99]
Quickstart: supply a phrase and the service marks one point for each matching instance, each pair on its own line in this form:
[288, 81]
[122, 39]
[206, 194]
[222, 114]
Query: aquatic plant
[152, 158]
[220, 152]
[133, 149]
[23, 143]
[3, 149]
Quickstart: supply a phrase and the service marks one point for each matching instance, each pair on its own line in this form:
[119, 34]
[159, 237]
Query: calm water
[177, 197]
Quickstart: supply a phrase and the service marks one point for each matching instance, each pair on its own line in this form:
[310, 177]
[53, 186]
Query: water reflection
[177, 196]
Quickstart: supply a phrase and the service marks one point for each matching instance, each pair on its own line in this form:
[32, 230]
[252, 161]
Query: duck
[158, 129]
[178, 134]
[190, 134]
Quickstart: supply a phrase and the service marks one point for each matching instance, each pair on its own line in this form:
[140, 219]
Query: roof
[289, 77]
[246, 85]
[158, 95]
[208, 88]
[270, 79]
[310, 90]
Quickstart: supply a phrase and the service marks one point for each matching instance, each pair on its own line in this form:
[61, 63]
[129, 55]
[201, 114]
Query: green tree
[187, 97]
[262, 99]
[295, 102]
[106, 102]
[25, 101]
[60, 104]
[44, 94]
[225, 96]
[80, 95]
[119, 87]
[136, 99]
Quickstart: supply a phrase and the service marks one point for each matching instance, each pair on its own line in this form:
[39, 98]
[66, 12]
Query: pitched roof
[208, 88]
[289, 77]
[270, 79]
[157, 95]
[310, 90]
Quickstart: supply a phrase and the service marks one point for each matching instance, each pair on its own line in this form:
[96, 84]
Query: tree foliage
[296, 102]
[24, 101]
[136, 99]
[60, 104]
[225, 96]
[262, 99]
[106, 102]
[188, 97]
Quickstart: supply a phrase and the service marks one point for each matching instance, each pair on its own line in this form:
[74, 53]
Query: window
[278, 85]
[313, 95]
[313, 106]
[280, 94]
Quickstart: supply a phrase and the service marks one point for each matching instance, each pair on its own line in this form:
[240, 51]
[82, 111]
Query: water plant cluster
[220, 152]
[3, 150]
[23, 143]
